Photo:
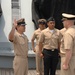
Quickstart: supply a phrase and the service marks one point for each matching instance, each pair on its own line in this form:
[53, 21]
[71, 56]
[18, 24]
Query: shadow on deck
[30, 72]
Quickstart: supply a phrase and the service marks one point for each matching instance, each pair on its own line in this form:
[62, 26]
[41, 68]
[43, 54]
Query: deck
[30, 72]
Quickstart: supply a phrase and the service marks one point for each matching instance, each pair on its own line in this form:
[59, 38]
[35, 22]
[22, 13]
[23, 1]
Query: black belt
[50, 49]
[50, 52]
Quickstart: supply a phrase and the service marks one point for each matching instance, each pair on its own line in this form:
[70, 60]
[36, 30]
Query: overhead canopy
[0, 10]
[54, 8]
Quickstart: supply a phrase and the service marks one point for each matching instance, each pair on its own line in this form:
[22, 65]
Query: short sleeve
[68, 41]
[60, 37]
[41, 38]
[34, 36]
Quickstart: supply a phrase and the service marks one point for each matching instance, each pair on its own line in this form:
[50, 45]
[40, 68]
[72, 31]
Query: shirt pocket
[21, 41]
[55, 36]
[47, 40]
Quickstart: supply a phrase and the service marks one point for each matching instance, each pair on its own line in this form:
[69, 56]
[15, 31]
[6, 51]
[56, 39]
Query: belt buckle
[52, 49]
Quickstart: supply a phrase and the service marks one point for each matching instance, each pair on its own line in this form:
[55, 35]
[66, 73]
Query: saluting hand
[15, 23]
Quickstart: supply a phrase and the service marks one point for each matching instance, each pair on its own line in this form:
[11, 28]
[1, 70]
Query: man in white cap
[68, 60]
